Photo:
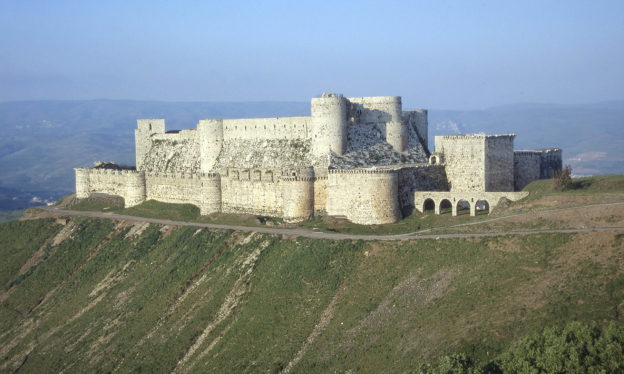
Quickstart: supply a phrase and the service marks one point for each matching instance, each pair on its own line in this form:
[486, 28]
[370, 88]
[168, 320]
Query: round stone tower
[329, 124]
[394, 107]
[298, 193]
[396, 135]
[135, 187]
[210, 200]
[210, 142]
[396, 130]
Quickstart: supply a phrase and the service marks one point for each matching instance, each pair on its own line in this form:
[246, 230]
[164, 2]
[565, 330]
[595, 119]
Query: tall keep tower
[329, 124]
[210, 142]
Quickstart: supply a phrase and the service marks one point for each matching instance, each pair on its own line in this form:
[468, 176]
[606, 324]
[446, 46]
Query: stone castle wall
[464, 159]
[129, 184]
[374, 109]
[423, 177]
[173, 152]
[252, 191]
[526, 168]
[382, 112]
[551, 162]
[210, 138]
[531, 165]
[417, 123]
[477, 162]
[320, 196]
[329, 124]
[364, 196]
[361, 157]
[298, 198]
[267, 128]
[146, 128]
[499, 163]
[202, 190]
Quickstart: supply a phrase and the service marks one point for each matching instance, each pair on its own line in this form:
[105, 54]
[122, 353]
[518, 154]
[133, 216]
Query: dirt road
[317, 234]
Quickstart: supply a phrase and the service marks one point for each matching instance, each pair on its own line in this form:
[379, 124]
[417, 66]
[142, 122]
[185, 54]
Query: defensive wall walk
[416, 235]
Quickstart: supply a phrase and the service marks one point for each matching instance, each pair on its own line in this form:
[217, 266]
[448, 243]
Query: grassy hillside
[585, 185]
[95, 295]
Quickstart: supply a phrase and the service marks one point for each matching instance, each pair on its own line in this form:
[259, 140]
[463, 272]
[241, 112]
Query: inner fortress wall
[423, 177]
[464, 159]
[210, 134]
[329, 124]
[383, 112]
[551, 162]
[267, 128]
[143, 132]
[364, 196]
[176, 135]
[499, 163]
[418, 120]
[374, 109]
[526, 168]
[173, 152]
[252, 192]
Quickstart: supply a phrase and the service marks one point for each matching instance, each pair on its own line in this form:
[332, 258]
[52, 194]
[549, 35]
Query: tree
[576, 348]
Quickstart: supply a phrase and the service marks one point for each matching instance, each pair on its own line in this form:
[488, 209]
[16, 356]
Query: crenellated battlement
[298, 179]
[96, 171]
[362, 171]
[476, 136]
[184, 175]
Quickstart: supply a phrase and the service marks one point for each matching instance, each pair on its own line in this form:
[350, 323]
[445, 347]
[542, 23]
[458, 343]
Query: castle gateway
[364, 158]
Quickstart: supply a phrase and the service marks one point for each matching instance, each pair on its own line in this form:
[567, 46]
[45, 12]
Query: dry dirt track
[327, 235]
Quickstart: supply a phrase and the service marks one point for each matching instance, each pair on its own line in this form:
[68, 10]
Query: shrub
[576, 348]
[453, 364]
[562, 180]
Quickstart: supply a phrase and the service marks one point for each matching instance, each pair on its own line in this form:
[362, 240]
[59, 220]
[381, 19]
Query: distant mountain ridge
[550, 106]
[44, 140]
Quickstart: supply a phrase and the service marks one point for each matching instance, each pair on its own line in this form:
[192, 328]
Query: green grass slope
[596, 184]
[108, 296]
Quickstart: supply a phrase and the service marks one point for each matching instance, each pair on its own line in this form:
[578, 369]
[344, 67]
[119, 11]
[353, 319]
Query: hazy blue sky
[436, 54]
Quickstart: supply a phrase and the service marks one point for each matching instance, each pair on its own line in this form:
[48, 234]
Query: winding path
[337, 236]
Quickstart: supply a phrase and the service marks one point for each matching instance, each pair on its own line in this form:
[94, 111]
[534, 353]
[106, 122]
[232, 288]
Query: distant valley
[44, 140]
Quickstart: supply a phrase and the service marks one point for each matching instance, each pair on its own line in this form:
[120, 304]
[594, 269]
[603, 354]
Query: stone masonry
[361, 158]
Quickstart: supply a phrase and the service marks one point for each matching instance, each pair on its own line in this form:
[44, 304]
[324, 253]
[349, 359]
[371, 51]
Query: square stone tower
[477, 162]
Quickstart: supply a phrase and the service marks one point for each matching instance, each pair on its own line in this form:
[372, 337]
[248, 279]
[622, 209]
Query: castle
[362, 158]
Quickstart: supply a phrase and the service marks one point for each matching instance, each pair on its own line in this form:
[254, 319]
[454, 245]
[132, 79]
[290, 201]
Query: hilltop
[591, 135]
[98, 294]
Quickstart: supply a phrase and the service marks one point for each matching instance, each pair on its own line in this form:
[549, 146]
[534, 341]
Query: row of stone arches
[459, 207]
